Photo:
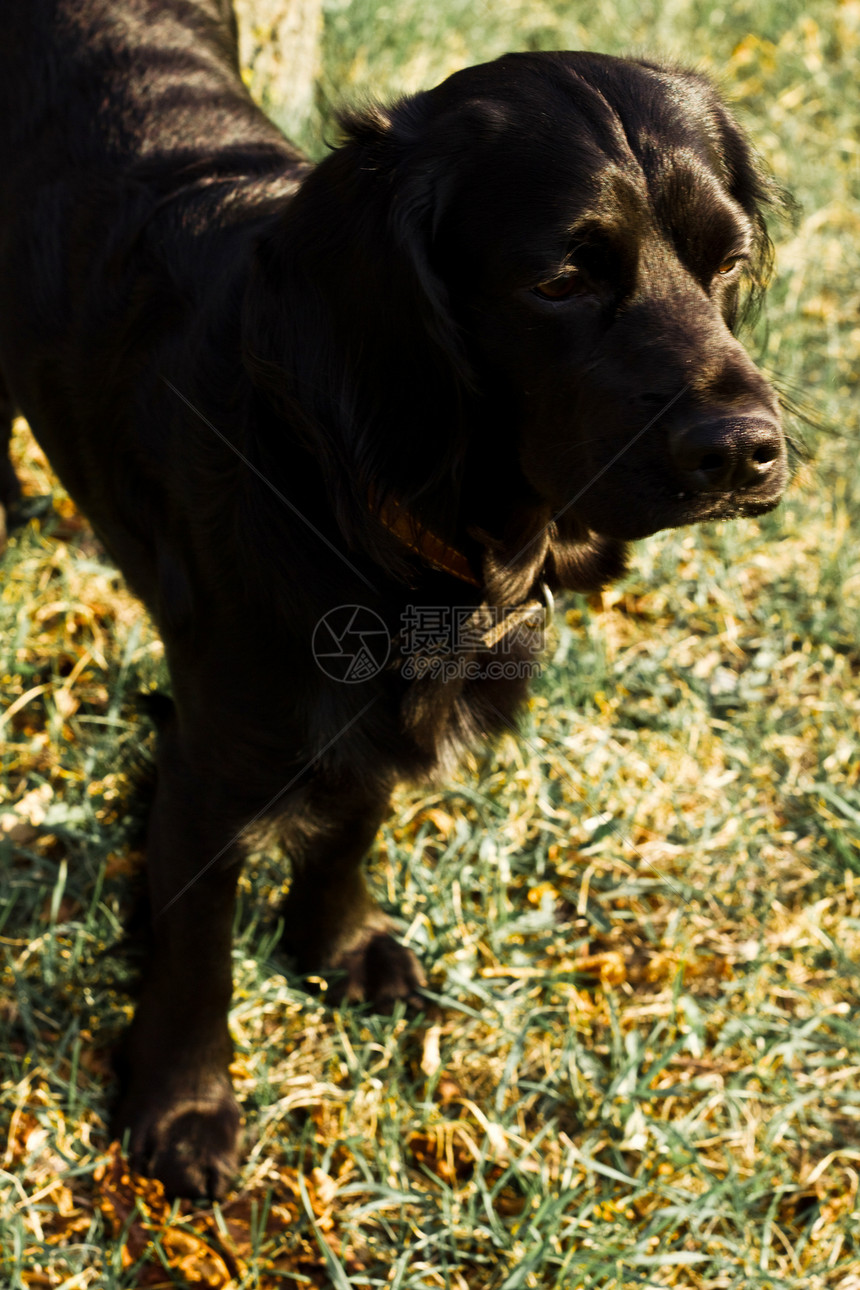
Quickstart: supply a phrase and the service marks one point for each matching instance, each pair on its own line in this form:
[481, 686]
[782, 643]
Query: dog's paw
[189, 1144]
[377, 969]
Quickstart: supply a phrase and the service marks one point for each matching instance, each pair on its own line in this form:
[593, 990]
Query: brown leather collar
[429, 546]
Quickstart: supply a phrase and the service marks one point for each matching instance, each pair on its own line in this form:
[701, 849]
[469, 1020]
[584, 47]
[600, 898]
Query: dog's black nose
[727, 453]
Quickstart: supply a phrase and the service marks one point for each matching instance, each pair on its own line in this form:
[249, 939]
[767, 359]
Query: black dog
[481, 346]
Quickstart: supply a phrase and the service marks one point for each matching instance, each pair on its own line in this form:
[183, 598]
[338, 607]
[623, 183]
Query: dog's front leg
[331, 921]
[177, 1101]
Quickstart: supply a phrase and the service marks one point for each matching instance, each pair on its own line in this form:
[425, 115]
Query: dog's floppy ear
[757, 192]
[399, 143]
[348, 329]
[746, 178]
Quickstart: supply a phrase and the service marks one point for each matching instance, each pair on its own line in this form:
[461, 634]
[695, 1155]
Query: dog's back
[131, 158]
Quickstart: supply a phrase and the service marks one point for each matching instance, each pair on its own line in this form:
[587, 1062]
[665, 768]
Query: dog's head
[535, 272]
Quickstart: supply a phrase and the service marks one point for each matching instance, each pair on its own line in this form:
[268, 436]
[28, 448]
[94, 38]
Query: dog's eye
[566, 284]
[731, 262]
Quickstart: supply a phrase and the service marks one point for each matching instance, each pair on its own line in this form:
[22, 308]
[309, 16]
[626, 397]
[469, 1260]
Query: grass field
[640, 1060]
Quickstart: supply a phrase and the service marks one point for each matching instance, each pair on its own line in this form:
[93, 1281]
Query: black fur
[496, 307]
